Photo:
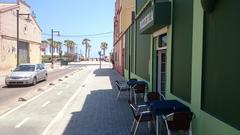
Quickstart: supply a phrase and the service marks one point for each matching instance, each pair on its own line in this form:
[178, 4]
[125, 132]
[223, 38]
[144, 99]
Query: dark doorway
[23, 48]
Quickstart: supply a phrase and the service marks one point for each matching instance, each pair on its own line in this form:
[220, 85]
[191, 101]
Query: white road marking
[45, 104]
[22, 122]
[65, 106]
[59, 93]
[85, 82]
[18, 107]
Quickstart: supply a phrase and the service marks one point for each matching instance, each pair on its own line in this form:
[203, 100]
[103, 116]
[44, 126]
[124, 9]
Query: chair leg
[118, 95]
[137, 124]
[154, 121]
[132, 126]
[135, 98]
[135, 131]
[190, 129]
[130, 94]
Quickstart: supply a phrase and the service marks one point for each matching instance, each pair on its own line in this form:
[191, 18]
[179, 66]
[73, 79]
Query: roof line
[23, 2]
[18, 6]
[9, 8]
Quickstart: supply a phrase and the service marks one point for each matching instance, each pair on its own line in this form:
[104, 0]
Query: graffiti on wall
[7, 49]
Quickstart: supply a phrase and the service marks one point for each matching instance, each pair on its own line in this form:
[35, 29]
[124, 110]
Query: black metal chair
[179, 122]
[151, 96]
[140, 115]
[139, 88]
[121, 87]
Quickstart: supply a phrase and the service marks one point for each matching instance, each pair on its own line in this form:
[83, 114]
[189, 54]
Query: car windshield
[25, 68]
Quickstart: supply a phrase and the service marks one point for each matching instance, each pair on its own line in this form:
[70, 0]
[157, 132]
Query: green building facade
[189, 50]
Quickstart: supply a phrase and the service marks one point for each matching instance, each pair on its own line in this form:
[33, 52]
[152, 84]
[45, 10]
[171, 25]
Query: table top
[131, 82]
[162, 107]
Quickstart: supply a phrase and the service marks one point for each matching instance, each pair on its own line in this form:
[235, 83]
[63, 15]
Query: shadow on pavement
[102, 114]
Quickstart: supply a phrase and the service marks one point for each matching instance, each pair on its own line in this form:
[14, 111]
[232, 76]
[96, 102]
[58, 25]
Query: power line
[86, 35]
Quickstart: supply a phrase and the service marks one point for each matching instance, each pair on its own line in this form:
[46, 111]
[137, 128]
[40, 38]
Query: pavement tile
[96, 110]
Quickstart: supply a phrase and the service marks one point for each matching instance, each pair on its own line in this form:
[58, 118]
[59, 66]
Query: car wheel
[45, 77]
[34, 81]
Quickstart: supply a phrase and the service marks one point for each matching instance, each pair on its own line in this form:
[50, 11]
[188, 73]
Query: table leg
[130, 94]
[157, 125]
[135, 98]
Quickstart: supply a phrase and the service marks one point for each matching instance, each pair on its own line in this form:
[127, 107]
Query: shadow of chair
[140, 115]
[178, 123]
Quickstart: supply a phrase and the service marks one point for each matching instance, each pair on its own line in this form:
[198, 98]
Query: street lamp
[58, 33]
[99, 53]
[28, 19]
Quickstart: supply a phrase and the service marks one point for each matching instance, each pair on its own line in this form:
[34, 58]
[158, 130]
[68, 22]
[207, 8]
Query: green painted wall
[132, 48]
[182, 49]
[143, 49]
[140, 4]
[221, 66]
[126, 74]
[154, 63]
[204, 123]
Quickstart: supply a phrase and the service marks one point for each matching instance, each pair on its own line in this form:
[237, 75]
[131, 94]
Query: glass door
[161, 66]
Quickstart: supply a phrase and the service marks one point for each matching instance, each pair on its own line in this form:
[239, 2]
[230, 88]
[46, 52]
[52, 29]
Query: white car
[26, 74]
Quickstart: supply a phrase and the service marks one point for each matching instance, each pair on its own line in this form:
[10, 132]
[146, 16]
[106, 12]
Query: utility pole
[17, 37]
[52, 50]
[52, 31]
[99, 52]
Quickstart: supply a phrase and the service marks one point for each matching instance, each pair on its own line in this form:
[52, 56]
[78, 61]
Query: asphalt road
[9, 95]
[36, 115]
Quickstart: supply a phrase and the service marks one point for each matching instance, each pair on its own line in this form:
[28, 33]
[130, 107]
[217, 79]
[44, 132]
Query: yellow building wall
[28, 32]
[35, 53]
[8, 55]
[128, 6]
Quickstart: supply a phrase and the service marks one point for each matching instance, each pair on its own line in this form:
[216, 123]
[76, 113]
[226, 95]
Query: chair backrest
[133, 79]
[140, 87]
[121, 85]
[151, 96]
[117, 84]
[179, 121]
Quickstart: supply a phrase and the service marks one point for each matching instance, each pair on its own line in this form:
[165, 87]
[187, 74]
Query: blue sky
[76, 17]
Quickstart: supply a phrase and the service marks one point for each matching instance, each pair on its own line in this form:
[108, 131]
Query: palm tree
[56, 46]
[89, 48]
[104, 46]
[70, 45]
[86, 43]
[59, 46]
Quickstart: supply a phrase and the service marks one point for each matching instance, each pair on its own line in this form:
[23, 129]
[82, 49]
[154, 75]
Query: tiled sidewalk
[96, 110]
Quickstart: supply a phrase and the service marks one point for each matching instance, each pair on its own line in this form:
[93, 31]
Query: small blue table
[131, 83]
[163, 107]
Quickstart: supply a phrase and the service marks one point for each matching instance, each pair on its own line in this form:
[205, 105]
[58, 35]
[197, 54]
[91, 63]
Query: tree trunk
[103, 52]
[85, 50]
[88, 52]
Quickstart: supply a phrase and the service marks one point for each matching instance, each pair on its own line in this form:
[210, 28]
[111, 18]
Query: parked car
[26, 74]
